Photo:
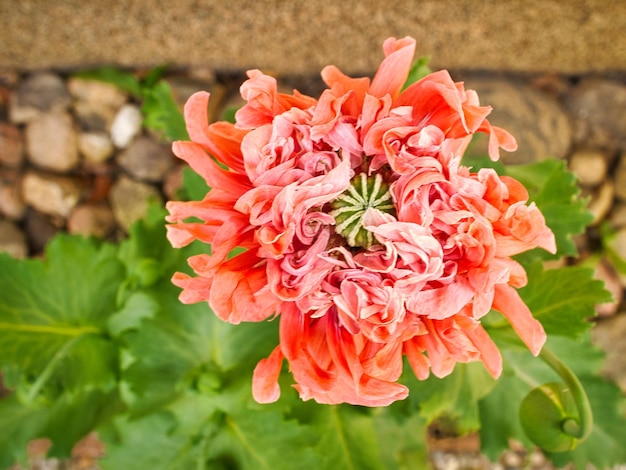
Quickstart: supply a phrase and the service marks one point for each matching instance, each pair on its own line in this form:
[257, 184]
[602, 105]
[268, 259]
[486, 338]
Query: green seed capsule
[350, 207]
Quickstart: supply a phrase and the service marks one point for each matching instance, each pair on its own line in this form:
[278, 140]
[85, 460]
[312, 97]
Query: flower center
[350, 207]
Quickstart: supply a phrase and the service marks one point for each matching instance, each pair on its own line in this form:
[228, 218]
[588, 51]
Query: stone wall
[569, 36]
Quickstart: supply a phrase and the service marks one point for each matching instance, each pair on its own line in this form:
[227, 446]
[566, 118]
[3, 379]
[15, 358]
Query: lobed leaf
[564, 299]
[53, 316]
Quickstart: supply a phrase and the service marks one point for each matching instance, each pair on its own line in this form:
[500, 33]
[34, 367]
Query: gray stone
[606, 273]
[129, 200]
[12, 240]
[42, 93]
[126, 125]
[146, 160]
[39, 230]
[11, 145]
[619, 177]
[601, 202]
[617, 243]
[96, 103]
[590, 167]
[11, 204]
[536, 120]
[618, 215]
[173, 182]
[183, 87]
[91, 220]
[609, 334]
[95, 147]
[50, 194]
[597, 106]
[96, 93]
[51, 142]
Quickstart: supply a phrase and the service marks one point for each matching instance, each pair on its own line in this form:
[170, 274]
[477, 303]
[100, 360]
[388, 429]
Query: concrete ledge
[300, 37]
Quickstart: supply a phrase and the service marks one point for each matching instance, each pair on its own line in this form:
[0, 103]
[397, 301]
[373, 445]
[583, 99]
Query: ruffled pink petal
[441, 302]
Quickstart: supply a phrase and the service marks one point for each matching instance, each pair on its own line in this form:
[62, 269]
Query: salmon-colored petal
[180, 235]
[489, 353]
[239, 290]
[195, 289]
[196, 113]
[265, 388]
[394, 69]
[508, 302]
[224, 143]
[206, 167]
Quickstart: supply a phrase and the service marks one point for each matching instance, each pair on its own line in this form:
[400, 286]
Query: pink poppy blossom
[358, 230]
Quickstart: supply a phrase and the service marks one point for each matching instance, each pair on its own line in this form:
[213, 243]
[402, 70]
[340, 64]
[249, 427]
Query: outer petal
[394, 69]
[197, 117]
[265, 387]
[239, 290]
[508, 302]
[205, 166]
[489, 352]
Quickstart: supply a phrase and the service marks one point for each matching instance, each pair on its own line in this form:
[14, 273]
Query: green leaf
[18, 425]
[55, 350]
[401, 439]
[556, 193]
[194, 185]
[147, 254]
[228, 114]
[192, 432]
[53, 316]
[65, 421]
[564, 299]
[264, 440]
[121, 79]
[162, 113]
[348, 438]
[454, 397]
[144, 443]
[153, 76]
[419, 69]
[138, 306]
[166, 348]
[185, 342]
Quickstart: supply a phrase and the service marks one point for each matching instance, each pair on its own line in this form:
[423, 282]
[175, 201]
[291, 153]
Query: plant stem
[582, 429]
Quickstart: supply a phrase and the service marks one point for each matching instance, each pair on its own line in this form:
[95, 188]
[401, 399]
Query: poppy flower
[358, 229]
